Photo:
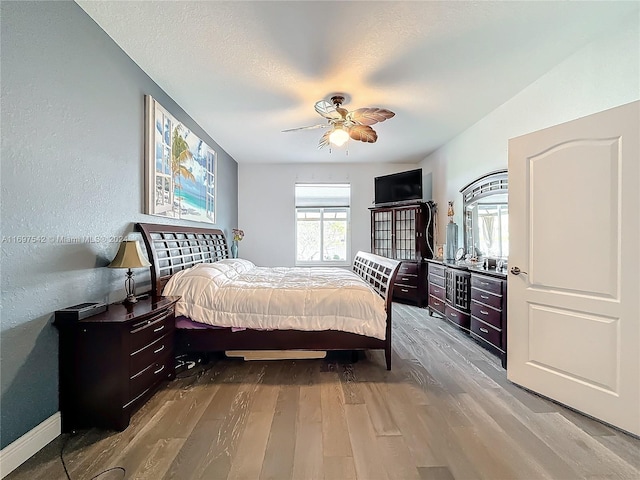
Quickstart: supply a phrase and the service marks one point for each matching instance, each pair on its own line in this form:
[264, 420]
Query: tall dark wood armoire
[405, 232]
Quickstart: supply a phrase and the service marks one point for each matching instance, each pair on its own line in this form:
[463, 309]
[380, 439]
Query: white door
[574, 228]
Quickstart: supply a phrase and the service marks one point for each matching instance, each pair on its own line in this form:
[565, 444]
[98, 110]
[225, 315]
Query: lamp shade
[129, 256]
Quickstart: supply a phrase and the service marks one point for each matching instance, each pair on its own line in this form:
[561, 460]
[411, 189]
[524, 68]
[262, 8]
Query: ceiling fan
[345, 124]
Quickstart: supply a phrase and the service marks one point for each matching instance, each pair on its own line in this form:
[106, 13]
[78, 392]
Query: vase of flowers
[238, 235]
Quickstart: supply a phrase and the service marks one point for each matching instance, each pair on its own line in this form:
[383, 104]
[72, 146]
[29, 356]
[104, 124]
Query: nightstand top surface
[119, 312]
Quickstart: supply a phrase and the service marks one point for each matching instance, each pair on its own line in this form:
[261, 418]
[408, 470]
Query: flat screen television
[398, 187]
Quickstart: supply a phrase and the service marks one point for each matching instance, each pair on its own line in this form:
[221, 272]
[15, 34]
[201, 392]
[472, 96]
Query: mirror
[486, 216]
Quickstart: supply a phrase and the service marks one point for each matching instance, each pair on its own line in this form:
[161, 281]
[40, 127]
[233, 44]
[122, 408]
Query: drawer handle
[484, 296]
[484, 283]
[159, 370]
[404, 290]
[484, 312]
[436, 290]
[156, 330]
[405, 278]
[453, 314]
[145, 323]
[484, 330]
[436, 303]
[159, 350]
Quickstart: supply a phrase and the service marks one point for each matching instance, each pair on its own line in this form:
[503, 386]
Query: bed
[173, 249]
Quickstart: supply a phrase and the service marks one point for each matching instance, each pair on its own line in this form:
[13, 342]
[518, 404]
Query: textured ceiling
[245, 71]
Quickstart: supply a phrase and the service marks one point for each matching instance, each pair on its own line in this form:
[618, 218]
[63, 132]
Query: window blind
[309, 195]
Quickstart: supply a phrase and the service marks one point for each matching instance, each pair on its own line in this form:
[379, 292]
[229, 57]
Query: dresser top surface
[492, 272]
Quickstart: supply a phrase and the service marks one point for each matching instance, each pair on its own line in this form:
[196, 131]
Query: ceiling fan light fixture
[343, 124]
[338, 137]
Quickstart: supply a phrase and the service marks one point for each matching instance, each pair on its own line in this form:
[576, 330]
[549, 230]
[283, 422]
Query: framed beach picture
[180, 168]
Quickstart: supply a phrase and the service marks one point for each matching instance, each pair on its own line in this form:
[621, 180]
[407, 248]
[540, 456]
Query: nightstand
[113, 362]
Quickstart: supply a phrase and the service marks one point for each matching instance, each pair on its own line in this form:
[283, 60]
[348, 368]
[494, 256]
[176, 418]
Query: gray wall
[72, 165]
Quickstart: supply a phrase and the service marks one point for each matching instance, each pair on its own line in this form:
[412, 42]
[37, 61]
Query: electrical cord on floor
[64, 465]
[66, 471]
[183, 361]
[124, 472]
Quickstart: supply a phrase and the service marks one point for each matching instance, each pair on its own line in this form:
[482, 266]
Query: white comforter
[236, 293]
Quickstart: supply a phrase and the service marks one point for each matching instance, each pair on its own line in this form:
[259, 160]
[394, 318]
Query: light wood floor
[445, 411]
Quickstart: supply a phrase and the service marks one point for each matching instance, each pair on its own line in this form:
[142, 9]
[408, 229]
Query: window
[322, 223]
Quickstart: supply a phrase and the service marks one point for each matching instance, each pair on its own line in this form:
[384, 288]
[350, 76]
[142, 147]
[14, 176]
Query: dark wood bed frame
[172, 248]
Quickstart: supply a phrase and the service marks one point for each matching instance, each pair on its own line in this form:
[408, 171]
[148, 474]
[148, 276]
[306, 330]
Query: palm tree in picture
[180, 154]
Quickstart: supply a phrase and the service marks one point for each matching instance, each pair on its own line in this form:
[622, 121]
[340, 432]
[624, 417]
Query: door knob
[517, 271]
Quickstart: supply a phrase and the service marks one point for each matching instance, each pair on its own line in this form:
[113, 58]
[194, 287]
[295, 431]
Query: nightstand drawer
[486, 314]
[486, 332]
[405, 291]
[487, 284]
[407, 267]
[437, 291]
[457, 317]
[147, 378]
[145, 332]
[151, 354]
[436, 280]
[436, 304]
[407, 280]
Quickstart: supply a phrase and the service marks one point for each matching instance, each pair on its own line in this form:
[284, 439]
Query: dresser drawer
[408, 267]
[487, 284]
[487, 332]
[487, 298]
[407, 280]
[151, 354]
[143, 381]
[437, 291]
[436, 269]
[486, 314]
[436, 304]
[457, 317]
[147, 331]
[436, 280]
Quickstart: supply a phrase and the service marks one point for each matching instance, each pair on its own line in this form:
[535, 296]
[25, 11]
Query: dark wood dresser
[474, 299]
[113, 362]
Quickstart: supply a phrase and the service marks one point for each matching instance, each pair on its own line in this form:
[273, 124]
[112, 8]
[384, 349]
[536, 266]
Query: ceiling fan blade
[369, 116]
[364, 133]
[327, 110]
[306, 128]
[324, 141]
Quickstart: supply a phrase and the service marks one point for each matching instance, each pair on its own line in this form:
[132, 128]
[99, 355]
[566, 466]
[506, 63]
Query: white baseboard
[18, 452]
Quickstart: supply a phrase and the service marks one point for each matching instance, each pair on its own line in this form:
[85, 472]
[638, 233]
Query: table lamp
[129, 256]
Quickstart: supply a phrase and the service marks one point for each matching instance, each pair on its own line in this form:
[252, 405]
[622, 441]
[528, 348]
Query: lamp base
[129, 289]
[130, 299]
